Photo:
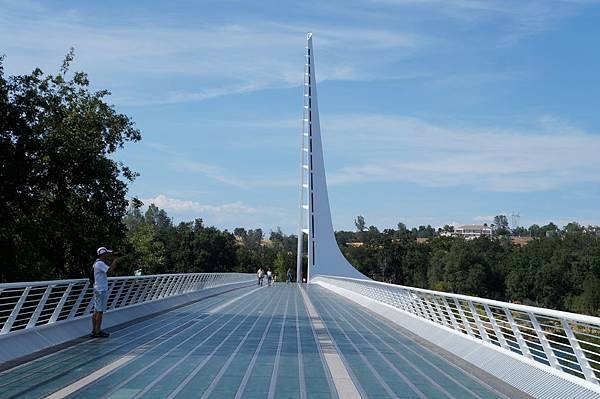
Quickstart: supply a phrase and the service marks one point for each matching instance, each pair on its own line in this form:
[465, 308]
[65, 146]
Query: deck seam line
[362, 320]
[225, 366]
[273, 383]
[182, 385]
[250, 367]
[70, 389]
[123, 360]
[301, 376]
[398, 328]
[112, 350]
[419, 371]
[328, 376]
[369, 365]
[344, 384]
[153, 322]
[131, 377]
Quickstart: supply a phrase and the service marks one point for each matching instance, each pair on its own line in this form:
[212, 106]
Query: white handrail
[567, 342]
[29, 305]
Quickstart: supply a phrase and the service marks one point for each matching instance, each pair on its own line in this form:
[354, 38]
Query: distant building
[354, 244]
[521, 241]
[472, 231]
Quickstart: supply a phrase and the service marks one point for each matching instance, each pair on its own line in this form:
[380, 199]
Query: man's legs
[96, 322]
[100, 300]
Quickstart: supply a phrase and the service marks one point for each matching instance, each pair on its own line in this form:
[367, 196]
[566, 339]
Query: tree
[520, 232]
[573, 228]
[501, 222]
[62, 194]
[360, 224]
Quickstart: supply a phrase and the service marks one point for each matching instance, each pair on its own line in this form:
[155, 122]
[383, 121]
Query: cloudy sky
[432, 111]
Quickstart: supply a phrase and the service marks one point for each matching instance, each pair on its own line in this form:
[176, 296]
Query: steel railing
[567, 342]
[33, 304]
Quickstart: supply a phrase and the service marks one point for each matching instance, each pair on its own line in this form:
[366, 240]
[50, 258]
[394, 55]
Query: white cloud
[520, 18]
[380, 148]
[185, 206]
[228, 215]
[214, 59]
[211, 171]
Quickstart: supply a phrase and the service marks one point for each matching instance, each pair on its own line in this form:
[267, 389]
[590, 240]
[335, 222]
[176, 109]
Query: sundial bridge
[340, 335]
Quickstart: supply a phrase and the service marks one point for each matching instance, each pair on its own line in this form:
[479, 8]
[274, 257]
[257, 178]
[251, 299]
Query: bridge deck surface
[248, 343]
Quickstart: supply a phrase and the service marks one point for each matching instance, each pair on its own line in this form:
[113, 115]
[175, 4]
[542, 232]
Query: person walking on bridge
[100, 281]
[260, 274]
[269, 277]
[289, 276]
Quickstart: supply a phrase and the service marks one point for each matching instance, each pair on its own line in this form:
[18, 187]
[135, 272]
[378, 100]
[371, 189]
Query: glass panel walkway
[248, 343]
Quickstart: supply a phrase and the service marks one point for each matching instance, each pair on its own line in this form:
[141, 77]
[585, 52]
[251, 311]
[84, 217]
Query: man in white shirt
[101, 290]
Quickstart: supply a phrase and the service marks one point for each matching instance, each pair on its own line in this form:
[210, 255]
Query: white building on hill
[471, 231]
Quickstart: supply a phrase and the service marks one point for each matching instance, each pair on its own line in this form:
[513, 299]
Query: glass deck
[259, 346]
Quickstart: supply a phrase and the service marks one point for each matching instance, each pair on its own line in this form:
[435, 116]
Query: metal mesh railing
[28, 305]
[567, 342]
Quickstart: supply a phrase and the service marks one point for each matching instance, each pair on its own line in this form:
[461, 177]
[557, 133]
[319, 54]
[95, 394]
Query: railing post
[432, 312]
[179, 285]
[463, 317]
[409, 303]
[423, 308]
[15, 312]
[40, 306]
[90, 304]
[61, 304]
[478, 323]
[586, 368]
[451, 314]
[118, 295]
[439, 311]
[152, 289]
[77, 303]
[520, 340]
[111, 287]
[132, 283]
[145, 289]
[197, 282]
[163, 286]
[496, 327]
[544, 342]
[194, 282]
[142, 289]
[187, 283]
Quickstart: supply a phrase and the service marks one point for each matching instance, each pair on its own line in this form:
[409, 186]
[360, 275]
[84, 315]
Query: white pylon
[324, 255]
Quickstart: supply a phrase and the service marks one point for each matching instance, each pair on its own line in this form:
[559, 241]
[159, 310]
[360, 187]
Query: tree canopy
[61, 192]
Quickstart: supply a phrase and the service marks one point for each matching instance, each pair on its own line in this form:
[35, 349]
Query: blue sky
[432, 111]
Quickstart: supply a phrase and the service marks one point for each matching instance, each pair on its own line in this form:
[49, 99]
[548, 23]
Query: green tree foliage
[559, 270]
[61, 192]
[359, 222]
[501, 223]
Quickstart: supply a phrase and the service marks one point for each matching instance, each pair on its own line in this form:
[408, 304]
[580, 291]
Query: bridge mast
[305, 167]
[324, 255]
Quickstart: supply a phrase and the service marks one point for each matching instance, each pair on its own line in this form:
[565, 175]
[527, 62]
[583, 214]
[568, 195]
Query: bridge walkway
[249, 343]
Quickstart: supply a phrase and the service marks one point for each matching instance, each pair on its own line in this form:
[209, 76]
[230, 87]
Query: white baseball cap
[103, 250]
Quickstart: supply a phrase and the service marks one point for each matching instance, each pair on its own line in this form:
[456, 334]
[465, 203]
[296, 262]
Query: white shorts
[100, 301]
